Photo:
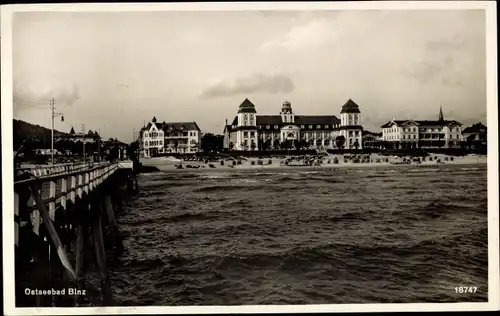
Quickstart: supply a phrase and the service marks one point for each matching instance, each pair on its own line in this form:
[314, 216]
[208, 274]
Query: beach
[248, 163]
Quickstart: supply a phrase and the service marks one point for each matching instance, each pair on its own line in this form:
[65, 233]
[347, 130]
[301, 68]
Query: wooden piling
[100, 253]
[60, 220]
[110, 212]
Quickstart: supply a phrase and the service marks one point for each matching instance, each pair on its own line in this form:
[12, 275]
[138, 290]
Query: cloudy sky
[113, 71]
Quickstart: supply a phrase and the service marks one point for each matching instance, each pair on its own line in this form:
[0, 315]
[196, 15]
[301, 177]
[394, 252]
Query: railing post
[86, 183]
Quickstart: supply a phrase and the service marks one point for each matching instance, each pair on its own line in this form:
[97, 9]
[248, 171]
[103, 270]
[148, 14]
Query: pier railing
[43, 193]
[44, 170]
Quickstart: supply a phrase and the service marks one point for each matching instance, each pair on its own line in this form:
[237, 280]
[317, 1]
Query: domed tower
[246, 136]
[287, 113]
[350, 115]
[246, 114]
[350, 124]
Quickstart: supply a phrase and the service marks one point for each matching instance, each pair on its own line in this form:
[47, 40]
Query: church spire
[441, 118]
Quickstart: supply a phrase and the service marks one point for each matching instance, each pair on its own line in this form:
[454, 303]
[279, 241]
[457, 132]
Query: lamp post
[53, 115]
[83, 141]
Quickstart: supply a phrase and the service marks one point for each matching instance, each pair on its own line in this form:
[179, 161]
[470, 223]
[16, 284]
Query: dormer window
[326, 126]
[267, 126]
[318, 126]
[310, 126]
[276, 126]
[302, 126]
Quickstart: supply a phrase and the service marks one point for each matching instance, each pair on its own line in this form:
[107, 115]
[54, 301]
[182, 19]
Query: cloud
[38, 94]
[256, 83]
[313, 33]
[456, 43]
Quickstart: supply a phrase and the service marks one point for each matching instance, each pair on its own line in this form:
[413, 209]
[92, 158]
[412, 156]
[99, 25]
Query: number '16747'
[466, 289]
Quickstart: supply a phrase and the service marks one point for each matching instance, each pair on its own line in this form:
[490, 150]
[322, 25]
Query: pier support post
[117, 238]
[100, 252]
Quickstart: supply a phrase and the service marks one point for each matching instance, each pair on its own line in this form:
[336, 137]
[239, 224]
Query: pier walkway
[59, 212]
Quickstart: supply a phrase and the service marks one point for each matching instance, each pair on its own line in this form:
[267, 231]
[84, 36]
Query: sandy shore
[276, 163]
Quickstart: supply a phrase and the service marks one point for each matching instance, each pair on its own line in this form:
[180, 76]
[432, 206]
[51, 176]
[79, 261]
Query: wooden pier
[65, 225]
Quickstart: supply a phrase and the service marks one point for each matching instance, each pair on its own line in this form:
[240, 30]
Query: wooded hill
[24, 131]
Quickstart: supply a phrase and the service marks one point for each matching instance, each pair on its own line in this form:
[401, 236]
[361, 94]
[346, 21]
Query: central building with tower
[252, 131]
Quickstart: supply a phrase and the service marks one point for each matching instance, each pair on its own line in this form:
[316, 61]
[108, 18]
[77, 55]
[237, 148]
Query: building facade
[410, 133]
[90, 137]
[252, 131]
[372, 140]
[175, 137]
[475, 136]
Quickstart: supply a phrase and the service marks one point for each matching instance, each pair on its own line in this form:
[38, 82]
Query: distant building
[90, 137]
[172, 137]
[475, 136]
[410, 133]
[252, 131]
[372, 140]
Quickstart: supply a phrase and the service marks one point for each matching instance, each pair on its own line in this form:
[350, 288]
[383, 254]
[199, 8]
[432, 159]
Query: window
[302, 126]
[252, 134]
[267, 126]
[245, 134]
[275, 126]
[146, 134]
[404, 136]
[350, 134]
[414, 136]
[310, 126]
[350, 116]
[326, 126]
[318, 126]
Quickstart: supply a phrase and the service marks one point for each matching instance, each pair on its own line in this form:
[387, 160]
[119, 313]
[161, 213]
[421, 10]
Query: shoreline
[163, 164]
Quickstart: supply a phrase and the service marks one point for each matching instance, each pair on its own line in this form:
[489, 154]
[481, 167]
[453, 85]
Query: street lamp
[52, 109]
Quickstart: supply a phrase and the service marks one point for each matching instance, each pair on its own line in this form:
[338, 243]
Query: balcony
[176, 135]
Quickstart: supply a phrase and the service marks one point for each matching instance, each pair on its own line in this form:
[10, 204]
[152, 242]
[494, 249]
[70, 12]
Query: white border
[492, 123]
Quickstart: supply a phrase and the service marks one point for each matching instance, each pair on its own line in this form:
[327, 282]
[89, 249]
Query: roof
[366, 133]
[316, 119]
[72, 131]
[475, 128]
[299, 120]
[177, 126]
[247, 107]
[420, 122]
[268, 119]
[350, 107]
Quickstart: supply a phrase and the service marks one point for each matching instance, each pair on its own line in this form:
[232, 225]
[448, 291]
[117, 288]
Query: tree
[340, 141]
[267, 144]
[211, 142]
[297, 144]
[253, 145]
[133, 151]
[356, 144]
[303, 143]
[276, 144]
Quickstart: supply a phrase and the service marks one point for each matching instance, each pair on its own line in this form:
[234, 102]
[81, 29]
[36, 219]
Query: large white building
[174, 137]
[410, 133]
[252, 131]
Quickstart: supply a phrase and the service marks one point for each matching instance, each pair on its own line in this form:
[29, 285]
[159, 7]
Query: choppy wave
[378, 236]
